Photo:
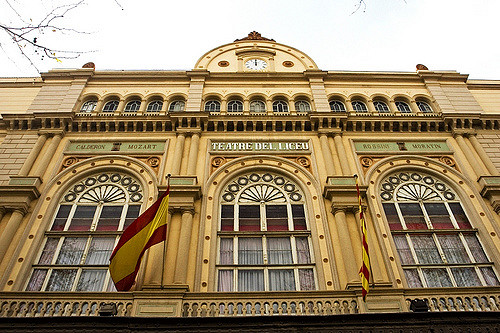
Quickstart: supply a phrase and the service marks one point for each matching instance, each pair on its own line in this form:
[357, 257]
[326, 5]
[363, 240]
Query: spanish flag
[365, 269]
[147, 230]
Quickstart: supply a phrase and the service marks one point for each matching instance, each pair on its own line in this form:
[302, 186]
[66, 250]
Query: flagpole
[165, 240]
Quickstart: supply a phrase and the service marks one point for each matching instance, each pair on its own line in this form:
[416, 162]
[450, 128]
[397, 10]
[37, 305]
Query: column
[484, 157]
[469, 155]
[35, 151]
[342, 154]
[179, 149]
[48, 156]
[10, 230]
[183, 247]
[347, 250]
[327, 154]
[193, 154]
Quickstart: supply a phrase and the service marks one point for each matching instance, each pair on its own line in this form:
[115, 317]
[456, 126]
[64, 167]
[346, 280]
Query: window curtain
[403, 249]
[225, 280]
[306, 279]
[453, 249]
[250, 280]
[475, 248]
[412, 278]
[36, 280]
[466, 276]
[250, 251]
[71, 251]
[426, 249]
[436, 277]
[303, 254]
[279, 251]
[281, 279]
[61, 280]
[48, 251]
[489, 276]
[226, 251]
[100, 251]
[91, 280]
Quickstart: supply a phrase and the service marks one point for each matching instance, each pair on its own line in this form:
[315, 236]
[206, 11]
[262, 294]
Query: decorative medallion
[366, 162]
[447, 160]
[303, 161]
[153, 161]
[288, 63]
[69, 161]
[218, 161]
[223, 63]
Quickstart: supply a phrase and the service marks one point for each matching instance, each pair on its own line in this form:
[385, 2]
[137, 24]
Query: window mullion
[293, 245]
[265, 258]
[452, 216]
[480, 275]
[70, 216]
[263, 216]
[439, 248]
[422, 277]
[412, 249]
[290, 216]
[400, 215]
[466, 246]
[296, 278]
[77, 277]
[236, 214]
[426, 216]
[58, 250]
[46, 281]
[450, 274]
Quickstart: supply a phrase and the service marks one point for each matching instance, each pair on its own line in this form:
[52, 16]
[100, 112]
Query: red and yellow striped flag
[365, 269]
[147, 230]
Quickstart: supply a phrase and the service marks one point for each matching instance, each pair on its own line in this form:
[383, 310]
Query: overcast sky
[387, 35]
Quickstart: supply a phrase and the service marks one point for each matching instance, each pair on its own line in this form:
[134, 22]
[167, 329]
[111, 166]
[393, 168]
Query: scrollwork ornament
[303, 161]
[70, 161]
[153, 161]
[447, 160]
[366, 162]
[218, 161]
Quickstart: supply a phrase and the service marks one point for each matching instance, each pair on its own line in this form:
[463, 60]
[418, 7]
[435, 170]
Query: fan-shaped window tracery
[83, 233]
[437, 244]
[264, 238]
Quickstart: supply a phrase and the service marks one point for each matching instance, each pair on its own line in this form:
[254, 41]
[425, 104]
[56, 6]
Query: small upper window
[424, 107]
[381, 107]
[257, 106]
[154, 106]
[88, 106]
[177, 106]
[212, 106]
[359, 106]
[337, 106]
[234, 106]
[280, 106]
[403, 107]
[133, 106]
[302, 106]
[110, 106]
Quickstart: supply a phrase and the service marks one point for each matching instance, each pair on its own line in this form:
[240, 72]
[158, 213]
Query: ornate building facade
[263, 147]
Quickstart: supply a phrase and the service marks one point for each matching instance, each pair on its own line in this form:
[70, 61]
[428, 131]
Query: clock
[256, 64]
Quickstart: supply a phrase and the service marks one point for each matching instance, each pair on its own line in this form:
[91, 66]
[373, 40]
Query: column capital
[52, 132]
[463, 132]
[189, 210]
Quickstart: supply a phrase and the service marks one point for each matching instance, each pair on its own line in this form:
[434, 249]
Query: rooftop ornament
[254, 35]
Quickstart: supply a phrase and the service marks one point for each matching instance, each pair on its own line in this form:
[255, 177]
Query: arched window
[403, 107]
[424, 107]
[76, 250]
[437, 245]
[381, 107]
[177, 106]
[88, 106]
[235, 106]
[111, 106]
[133, 106]
[337, 106]
[302, 106]
[212, 106]
[264, 241]
[359, 106]
[280, 106]
[154, 106]
[257, 106]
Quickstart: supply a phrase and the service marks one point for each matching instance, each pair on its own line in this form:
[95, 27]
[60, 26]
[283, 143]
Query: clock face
[256, 64]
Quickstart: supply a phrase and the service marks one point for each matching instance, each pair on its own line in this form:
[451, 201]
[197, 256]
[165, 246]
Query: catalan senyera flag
[365, 269]
[148, 229]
